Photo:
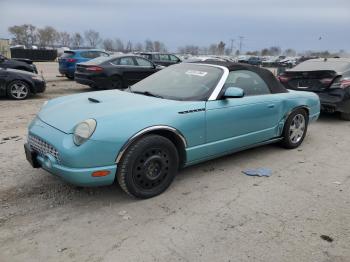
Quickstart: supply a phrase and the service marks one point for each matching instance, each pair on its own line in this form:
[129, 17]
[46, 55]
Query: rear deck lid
[315, 81]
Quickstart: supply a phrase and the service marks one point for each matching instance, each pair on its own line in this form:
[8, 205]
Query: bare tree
[221, 48]
[290, 52]
[77, 40]
[108, 44]
[156, 46]
[149, 46]
[119, 46]
[92, 38]
[162, 47]
[213, 49]
[128, 48]
[189, 49]
[23, 34]
[265, 52]
[275, 50]
[138, 47]
[254, 53]
[47, 36]
[64, 39]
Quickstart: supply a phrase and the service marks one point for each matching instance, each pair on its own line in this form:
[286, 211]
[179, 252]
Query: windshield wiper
[146, 93]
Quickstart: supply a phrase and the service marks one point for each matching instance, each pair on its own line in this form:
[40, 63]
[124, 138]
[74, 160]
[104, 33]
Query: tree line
[48, 37]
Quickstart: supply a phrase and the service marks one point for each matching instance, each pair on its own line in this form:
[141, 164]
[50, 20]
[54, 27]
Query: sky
[298, 24]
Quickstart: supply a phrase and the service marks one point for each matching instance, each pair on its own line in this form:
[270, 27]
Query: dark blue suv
[69, 59]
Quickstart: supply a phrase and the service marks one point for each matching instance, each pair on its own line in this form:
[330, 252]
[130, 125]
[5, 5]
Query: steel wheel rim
[151, 169]
[297, 128]
[19, 90]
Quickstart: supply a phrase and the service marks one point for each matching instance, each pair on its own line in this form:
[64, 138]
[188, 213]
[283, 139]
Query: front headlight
[83, 131]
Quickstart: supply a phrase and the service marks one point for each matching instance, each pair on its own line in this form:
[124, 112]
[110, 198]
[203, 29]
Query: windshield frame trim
[220, 84]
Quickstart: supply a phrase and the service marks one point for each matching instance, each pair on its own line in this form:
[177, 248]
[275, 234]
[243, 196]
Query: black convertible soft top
[271, 81]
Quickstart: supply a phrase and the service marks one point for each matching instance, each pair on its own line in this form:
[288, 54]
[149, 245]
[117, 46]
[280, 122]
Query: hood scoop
[93, 100]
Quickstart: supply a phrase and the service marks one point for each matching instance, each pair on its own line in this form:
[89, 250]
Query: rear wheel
[116, 83]
[71, 77]
[148, 167]
[295, 129]
[345, 116]
[18, 90]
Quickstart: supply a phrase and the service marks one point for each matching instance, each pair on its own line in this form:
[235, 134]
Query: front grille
[42, 148]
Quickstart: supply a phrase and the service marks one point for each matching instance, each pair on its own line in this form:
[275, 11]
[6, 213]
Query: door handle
[271, 106]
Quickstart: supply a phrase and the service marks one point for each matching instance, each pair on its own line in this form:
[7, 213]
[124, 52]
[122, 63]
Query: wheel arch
[171, 133]
[304, 107]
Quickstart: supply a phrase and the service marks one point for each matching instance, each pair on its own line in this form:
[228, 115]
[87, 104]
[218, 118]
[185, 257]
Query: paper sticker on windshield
[196, 73]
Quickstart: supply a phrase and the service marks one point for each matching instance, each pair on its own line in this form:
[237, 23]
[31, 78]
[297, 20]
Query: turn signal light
[100, 173]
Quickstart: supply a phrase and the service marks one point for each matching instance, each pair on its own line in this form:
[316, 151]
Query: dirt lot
[212, 212]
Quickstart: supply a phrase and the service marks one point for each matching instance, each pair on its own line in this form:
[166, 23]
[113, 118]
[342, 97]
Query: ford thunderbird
[182, 115]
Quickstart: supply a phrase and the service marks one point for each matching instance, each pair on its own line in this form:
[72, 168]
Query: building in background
[5, 47]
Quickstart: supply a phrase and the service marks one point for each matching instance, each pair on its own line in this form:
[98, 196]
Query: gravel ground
[212, 212]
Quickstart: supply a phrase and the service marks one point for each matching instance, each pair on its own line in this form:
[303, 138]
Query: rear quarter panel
[295, 99]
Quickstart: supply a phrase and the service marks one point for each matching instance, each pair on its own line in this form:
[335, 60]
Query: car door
[144, 68]
[234, 123]
[164, 60]
[174, 59]
[128, 69]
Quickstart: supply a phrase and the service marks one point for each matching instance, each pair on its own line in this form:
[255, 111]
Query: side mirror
[233, 92]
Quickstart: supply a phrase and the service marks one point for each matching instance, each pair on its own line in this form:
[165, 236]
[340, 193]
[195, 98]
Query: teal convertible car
[179, 116]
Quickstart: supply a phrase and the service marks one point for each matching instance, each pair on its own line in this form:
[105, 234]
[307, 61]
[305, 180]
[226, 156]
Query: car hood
[21, 72]
[65, 113]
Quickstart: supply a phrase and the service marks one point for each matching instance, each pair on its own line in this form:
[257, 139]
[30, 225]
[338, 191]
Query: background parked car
[197, 59]
[18, 63]
[70, 58]
[329, 78]
[19, 84]
[114, 72]
[163, 59]
[254, 60]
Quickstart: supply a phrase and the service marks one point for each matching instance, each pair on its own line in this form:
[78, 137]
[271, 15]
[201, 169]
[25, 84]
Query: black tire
[294, 132]
[345, 116]
[116, 82]
[18, 90]
[70, 77]
[148, 167]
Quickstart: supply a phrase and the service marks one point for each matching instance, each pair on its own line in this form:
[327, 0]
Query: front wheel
[148, 166]
[18, 90]
[70, 77]
[295, 129]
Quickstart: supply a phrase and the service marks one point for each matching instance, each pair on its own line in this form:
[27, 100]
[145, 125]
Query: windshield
[67, 54]
[188, 82]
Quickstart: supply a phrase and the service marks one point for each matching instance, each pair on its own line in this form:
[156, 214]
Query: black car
[114, 72]
[18, 63]
[163, 59]
[18, 84]
[329, 78]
